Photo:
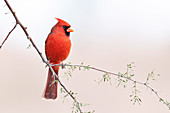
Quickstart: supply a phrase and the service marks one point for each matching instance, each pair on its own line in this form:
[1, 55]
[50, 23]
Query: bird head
[62, 27]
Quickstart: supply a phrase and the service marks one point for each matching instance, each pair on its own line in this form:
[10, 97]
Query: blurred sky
[109, 34]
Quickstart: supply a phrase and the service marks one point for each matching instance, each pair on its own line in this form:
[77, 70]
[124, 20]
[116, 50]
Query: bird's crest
[62, 22]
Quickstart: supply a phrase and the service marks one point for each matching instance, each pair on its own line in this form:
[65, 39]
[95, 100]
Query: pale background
[108, 34]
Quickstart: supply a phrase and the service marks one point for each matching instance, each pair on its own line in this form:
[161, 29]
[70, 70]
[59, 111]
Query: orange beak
[70, 30]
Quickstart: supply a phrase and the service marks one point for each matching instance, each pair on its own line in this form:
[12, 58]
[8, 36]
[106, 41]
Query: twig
[71, 96]
[40, 54]
[156, 93]
[118, 75]
[8, 35]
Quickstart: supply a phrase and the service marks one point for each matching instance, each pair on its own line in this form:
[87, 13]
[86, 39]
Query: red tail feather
[50, 91]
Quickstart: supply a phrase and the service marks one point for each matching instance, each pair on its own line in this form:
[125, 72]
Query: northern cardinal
[57, 49]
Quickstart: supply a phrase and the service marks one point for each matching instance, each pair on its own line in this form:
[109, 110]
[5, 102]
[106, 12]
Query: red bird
[57, 49]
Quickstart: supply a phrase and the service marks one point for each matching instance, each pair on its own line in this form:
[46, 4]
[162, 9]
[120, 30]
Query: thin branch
[71, 96]
[8, 35]
[40, 54]
[156, 93]
[118, 75]
[100, 70]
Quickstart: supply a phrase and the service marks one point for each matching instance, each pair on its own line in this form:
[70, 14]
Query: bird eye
[65, 27]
